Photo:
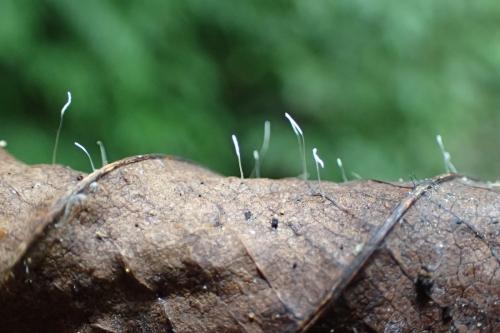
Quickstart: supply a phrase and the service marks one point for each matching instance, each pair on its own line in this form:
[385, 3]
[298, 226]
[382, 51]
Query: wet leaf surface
[156, 244]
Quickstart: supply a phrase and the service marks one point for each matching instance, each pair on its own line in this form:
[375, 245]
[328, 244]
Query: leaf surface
[156, 244]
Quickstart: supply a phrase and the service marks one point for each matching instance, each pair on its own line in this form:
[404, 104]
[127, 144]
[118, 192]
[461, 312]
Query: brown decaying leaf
[25, 192]
[155, 244]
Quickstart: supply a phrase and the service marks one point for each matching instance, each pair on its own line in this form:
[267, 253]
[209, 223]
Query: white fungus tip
[296, 128]
[237, 149]
[104, 156]
[256, 154]
[319, 163]
[56, 144]
[446, 155]
[341, 167]
[267, 125]
[86, 153]
[3, 143]
[440, 143]
[236, 145]
[63, 110]
[356, 175]
[317, 159]
[302, 144]
[267, 136]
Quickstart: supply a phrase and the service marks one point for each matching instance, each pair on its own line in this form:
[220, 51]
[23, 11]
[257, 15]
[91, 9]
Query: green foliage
[370, 81]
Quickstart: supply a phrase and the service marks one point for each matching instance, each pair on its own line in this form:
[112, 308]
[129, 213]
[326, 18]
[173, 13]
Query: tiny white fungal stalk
[342, 171]
[259, 155]
[446, 156]
[86, 153]
[256, 157]
[319, 162]
[237, 149]
[267, 137]
[302, 144]
[73, 202]
[3, 143]
[104, 156]
[56, 144]
[356, 175]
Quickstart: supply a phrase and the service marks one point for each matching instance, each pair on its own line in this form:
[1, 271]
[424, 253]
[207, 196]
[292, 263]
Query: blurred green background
[371, 82]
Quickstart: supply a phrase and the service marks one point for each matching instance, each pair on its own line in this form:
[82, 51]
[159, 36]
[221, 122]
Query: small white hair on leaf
[86, 153]
[295, 126]
[236, 145]
[319, 162]
[439, 140]
[237, 149]
[104, 156]
[256, 155]
[356, 175]
[302, 143]
[63, 111]
[446, 155]
[74, 200]
[267, 137]
[341, 167]
[317, 158]
[263, 149]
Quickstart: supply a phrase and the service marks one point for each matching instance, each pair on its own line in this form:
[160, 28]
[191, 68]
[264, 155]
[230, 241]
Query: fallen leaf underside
[155, 244]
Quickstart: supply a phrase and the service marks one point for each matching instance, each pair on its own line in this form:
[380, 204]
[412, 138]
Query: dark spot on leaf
[199, 195]
[294, 265]
[137, 225]
[274, 223]
[446, 315]
[160, 294]
[459, 221]
[423, 287]
[79, 177]
[342, 247]
[248, 215]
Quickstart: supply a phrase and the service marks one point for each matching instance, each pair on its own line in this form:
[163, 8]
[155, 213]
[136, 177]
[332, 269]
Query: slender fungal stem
[302, 143]
[446, 156]
[341, 167]
[256, 157]
[304, 162]
[319, 162]
[237, 149]
[104, 156]
[86, 153]
[56, 144]
[356, 175]
[263, 148]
